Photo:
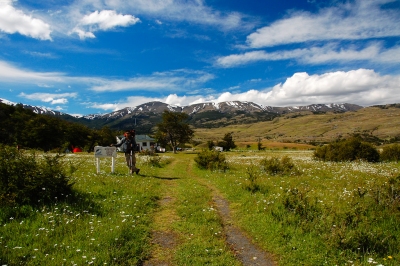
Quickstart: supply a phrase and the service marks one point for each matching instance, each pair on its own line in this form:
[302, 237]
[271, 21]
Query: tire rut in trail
[164, 240]
[244, 249]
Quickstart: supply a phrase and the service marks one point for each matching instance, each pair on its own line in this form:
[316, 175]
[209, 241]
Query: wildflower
[390, 257]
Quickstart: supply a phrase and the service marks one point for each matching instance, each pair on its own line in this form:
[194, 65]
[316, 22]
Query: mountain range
[202, 115]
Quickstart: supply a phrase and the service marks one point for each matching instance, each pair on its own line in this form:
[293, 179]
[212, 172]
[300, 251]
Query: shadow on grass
[160, 177]
[76, 201]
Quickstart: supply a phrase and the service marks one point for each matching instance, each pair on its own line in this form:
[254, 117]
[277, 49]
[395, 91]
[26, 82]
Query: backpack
[127, 143]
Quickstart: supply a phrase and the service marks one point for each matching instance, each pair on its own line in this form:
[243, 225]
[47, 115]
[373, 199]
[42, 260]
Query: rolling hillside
[382, 122]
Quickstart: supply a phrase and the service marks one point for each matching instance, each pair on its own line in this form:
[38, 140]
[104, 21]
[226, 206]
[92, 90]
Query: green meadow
[324, 214]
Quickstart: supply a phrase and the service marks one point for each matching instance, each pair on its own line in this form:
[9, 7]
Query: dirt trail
[246, 251]
[165, 240]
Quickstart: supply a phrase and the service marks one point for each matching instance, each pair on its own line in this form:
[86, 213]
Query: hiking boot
[137, 171]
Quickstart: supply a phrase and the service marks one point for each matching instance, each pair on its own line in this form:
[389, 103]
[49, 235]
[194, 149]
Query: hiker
[128, 144]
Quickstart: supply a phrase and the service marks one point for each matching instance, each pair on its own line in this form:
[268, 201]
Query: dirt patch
[246, 251]
[164, 239]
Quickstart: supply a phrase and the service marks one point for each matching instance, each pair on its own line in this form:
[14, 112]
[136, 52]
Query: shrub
[391, 153]
[388, 194]
[347, 150]
[298, 202]
[252, 172]
[284, 166]
[27, 180]
[211, 160]
[153, 160]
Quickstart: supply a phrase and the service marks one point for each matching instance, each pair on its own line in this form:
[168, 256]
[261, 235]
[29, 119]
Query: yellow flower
[390, 257]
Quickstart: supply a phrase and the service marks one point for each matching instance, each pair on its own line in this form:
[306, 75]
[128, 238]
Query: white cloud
[363, 86]
[13, 74]
[316, 55]
[52, 98]
[15, 21]
[359, 20]
[194, 11]
[103, 20]
[83, 34]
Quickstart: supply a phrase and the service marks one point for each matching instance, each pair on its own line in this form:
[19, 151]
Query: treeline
[23, 128]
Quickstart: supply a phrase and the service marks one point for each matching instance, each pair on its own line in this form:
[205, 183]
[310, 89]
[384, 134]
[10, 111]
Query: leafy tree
[27, 129]
[227, 142]
[210, 144]
[259, 145]
[173, 129]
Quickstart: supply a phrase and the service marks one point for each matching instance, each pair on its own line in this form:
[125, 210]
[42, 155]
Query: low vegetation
[32, 179]
[276, 166]
[211, 160]
[351, 149]
[302, 210]
[390, 153]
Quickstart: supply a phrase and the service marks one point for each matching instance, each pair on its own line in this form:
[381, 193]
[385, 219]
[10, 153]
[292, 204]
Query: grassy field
[329, 214]
[308, 128]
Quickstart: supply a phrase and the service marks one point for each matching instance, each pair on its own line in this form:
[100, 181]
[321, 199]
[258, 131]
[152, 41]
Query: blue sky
[96, 56]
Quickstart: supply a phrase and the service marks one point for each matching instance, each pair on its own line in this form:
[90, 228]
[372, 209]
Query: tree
[227, 142]
[173, 129]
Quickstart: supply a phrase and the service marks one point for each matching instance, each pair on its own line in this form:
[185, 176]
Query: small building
[217, 148]
[144, 142]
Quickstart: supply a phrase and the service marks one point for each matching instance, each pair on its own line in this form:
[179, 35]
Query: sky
[97, 56]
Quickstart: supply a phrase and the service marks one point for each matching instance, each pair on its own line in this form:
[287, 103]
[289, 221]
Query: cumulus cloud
[103, 20]
[52, 98]
[363, 86]
[194, 11]
[359, 20]
[316, 55]
[108, 19]
[16, 21]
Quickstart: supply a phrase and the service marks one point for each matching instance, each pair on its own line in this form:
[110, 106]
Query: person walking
[128, 144]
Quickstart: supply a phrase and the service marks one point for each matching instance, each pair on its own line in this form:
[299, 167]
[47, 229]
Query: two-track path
[165, 240]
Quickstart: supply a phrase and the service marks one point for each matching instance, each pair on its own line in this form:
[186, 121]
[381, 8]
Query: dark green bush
[26, 179]
[347, 150]
[391, 153]
[211, 160]
[276, 166]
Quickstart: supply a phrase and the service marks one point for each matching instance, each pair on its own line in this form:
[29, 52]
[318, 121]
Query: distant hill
[204, 115]
[316, 123]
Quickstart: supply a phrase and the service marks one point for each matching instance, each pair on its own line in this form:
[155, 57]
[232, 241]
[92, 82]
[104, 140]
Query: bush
[391, 153]
[253, 175]
[27, 180]
[284, 166]
[211, 160]
[347, 150]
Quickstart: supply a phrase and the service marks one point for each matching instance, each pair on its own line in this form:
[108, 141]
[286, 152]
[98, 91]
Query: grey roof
[142, 138]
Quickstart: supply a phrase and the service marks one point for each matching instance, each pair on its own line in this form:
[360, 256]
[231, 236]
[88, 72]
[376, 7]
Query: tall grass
[331, 213]
[106, 221]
